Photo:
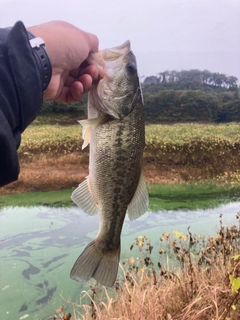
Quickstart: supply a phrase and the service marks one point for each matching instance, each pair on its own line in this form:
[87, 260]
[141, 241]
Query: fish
[115, 185]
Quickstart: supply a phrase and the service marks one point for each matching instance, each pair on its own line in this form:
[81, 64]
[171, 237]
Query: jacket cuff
[26, 74]
[21, 96]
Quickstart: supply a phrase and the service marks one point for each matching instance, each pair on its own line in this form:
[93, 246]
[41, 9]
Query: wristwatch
[42, 59]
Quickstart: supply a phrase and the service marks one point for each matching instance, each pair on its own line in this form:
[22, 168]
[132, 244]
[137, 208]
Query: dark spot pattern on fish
[118, 198]
[118, 142]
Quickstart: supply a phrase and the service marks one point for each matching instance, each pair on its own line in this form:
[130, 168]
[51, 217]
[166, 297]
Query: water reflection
[39, 246]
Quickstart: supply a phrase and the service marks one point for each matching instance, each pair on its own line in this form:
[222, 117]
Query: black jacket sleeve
[20, 96]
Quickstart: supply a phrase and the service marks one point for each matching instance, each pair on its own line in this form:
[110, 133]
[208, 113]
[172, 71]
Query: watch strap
[42, 59]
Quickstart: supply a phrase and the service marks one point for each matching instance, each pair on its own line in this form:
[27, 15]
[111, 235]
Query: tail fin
[92, 263]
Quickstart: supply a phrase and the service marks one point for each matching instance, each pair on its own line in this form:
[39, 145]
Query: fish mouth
[115, 63]
[117, 52]
[110, 56]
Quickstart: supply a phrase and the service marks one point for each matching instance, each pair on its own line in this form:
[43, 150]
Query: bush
[181, 106]
[231, 111]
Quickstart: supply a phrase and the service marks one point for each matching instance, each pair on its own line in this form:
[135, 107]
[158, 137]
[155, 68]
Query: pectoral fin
[86, 125]
[139, 204]
[83, 198]
[86, 133]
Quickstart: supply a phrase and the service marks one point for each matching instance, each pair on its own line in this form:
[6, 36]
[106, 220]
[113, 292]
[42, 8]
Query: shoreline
[49, 174]
[33, 178]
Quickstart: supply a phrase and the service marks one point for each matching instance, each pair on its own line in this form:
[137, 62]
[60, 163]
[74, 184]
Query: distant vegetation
[193, 79]
[171, 96]
[191, 96]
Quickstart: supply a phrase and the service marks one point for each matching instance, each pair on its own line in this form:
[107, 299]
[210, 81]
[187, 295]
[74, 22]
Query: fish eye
[131, 67]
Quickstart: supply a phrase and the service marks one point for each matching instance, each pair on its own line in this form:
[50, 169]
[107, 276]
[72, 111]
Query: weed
[202, 282]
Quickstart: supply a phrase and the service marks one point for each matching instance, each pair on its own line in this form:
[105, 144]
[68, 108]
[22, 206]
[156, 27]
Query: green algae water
[39, 246]
[162, 197]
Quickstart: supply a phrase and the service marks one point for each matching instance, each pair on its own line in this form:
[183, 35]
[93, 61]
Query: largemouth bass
[115, 185]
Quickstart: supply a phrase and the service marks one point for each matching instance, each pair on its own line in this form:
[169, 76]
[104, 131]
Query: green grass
[56, 119]
[59, 198]
[180, 133]
[189, 196]
[160, 134]
[162, 197]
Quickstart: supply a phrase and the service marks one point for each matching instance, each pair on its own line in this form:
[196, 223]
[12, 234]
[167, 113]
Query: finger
[71, 94]
[69, 81]
[93, 72]
[86, 81]
[78, 88]
[74, 73]
[76, 92]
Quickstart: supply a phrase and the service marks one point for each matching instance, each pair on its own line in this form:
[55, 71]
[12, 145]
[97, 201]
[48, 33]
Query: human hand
[68, 48]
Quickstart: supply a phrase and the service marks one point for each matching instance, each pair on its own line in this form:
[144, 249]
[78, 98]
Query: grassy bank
[59, 198]
[51, 157]
[178, 143]
[206, 151]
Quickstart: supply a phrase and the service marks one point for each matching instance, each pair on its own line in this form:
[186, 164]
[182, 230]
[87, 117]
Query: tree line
[177, 96]
[191, 96]
[193, 79]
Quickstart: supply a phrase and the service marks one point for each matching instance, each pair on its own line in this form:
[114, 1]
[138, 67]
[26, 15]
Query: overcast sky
[164, 34]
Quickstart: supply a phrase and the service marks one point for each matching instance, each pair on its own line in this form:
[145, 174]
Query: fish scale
[115, 185]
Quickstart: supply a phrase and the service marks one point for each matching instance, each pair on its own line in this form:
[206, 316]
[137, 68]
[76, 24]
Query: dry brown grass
[196, 286]
[44, 173]
[50, 173]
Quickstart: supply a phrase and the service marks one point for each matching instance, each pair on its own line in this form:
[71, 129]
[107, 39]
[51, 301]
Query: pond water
[40, 244]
